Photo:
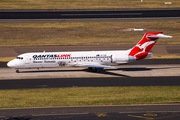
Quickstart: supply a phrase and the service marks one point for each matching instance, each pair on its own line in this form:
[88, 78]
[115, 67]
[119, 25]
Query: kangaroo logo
[141, 48]
[144, 46]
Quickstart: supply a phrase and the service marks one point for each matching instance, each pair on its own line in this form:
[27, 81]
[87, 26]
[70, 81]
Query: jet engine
[122, 59]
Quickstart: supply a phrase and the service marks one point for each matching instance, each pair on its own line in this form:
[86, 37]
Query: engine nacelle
[121, 59]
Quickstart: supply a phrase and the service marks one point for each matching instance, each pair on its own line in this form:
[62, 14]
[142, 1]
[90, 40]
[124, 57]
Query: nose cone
[11, 64]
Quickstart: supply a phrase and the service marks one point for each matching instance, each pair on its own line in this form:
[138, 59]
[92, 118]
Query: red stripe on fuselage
[64, 55]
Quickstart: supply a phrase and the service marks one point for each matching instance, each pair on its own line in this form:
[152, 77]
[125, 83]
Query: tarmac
[78, 110]
[78, 72]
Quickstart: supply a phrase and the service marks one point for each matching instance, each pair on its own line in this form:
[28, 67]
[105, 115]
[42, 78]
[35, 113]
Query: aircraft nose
[11, 64]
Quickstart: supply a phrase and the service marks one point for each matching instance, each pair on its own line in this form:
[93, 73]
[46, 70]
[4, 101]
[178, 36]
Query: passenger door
[27, 59]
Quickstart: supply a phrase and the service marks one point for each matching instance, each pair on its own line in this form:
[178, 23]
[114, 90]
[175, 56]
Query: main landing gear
[17, 70]
[92, 69]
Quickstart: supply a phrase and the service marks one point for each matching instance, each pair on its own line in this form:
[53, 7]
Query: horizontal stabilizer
[158, 36]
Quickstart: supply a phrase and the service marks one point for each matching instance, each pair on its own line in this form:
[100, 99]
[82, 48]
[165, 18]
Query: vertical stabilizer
[141, 50]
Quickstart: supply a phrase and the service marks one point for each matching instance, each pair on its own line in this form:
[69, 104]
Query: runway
[90, 20]
[74, 14]
[118, 15]
[128, 112]
[89, 82]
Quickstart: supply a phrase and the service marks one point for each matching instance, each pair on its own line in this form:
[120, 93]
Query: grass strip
[87, 33]
[87, 96]
[86, 4]
[6, 59]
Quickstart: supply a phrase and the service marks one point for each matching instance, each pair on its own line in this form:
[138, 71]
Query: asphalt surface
[133, 112]
[89, 82]
[81, 14]
[90, 20]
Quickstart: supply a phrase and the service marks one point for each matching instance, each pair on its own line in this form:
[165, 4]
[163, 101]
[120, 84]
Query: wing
[93, 65]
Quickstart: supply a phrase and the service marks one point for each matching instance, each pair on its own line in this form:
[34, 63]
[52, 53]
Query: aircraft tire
[94, 69]
[90, 68]
[17, 71]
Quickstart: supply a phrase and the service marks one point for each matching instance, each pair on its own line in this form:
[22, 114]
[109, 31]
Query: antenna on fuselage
[44, 51]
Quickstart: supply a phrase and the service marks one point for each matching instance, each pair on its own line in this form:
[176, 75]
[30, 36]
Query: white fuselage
[58, 59]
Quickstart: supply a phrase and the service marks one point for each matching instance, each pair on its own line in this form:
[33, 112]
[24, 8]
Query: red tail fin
[143, 47]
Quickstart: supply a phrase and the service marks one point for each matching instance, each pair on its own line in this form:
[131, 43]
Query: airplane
[90, 59]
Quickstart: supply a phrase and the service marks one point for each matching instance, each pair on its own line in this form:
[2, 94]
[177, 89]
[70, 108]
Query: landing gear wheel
[17, 71]
[90, 68]
[94, 69]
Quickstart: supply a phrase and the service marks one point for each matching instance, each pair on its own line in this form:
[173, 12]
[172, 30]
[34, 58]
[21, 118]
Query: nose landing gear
[17, 70]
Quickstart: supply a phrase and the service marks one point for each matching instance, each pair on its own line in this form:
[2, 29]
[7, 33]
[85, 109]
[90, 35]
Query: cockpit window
[21, 58]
